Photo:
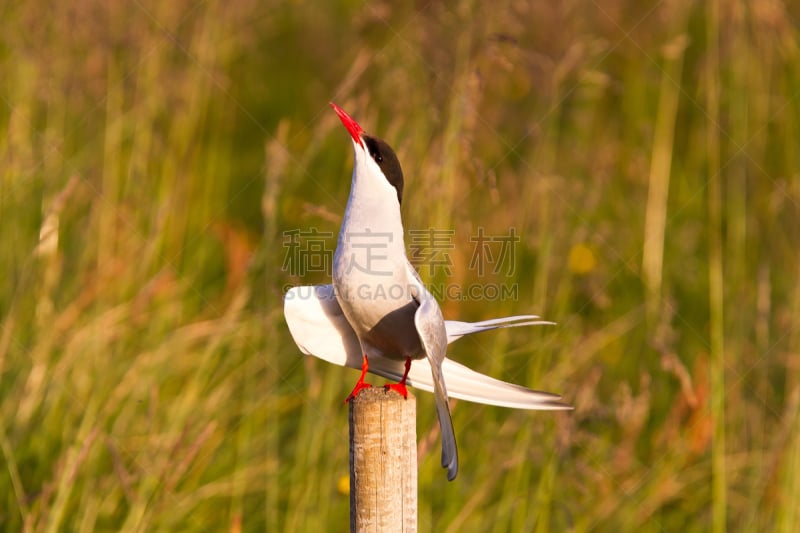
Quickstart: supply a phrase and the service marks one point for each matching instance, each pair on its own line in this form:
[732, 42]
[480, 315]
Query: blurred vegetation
[152, 155]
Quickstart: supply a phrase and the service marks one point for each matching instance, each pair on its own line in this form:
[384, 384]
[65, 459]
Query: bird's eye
[374, 149]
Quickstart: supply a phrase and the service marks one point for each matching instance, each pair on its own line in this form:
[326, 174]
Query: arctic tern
[377, 316]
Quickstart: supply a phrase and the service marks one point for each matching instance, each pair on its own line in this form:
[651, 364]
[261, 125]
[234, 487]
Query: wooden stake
[383, 461]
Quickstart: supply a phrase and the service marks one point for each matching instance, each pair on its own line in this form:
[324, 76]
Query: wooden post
[383, 461]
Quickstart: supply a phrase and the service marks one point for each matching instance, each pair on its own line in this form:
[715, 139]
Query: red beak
[351, 125]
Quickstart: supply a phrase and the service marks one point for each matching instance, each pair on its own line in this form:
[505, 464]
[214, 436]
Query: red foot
[401, 385]
[397, 387]
[360, 385]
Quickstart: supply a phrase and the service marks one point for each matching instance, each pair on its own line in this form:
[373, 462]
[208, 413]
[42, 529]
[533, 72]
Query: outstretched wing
[319, 328]
[466, 384]
[457, 329]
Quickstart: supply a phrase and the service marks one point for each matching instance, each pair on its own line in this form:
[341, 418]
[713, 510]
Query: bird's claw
[397, 387]
[360, 385]
[358, 388]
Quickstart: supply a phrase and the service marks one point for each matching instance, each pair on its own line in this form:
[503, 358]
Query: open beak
[351, 125]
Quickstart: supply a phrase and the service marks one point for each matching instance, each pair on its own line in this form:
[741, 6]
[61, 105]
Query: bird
[378, 316]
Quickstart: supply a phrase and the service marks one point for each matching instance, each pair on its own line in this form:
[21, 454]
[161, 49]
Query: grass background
[152, 155]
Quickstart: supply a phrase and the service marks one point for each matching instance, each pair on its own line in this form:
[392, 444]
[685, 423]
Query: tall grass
[716, 297]
[153, 155]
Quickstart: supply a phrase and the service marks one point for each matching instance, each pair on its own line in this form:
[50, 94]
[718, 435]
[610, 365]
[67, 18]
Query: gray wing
[319, 328]
[432, 333]
[457, 329]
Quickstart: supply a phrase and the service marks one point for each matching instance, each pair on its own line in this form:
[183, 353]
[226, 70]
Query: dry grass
[152, 155]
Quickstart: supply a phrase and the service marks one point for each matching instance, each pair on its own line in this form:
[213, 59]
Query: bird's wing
[466, 384]
[429, 322]
[457, 329]
[319, 328]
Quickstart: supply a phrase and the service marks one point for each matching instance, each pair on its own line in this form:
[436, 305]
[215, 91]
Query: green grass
[152, 155]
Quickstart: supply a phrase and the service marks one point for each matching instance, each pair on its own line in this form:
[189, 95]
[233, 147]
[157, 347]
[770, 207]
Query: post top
[379, 394]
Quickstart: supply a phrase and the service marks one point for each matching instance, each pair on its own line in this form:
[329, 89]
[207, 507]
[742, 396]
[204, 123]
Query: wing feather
[319, 328]
[431, 330]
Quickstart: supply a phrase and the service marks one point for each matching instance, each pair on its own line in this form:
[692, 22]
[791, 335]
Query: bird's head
[374, 158]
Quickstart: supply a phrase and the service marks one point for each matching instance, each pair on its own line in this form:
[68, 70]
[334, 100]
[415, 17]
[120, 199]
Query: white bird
[378, 316]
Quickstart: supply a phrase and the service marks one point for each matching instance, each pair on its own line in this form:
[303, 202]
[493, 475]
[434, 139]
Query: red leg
[401, 386]
[360, 383]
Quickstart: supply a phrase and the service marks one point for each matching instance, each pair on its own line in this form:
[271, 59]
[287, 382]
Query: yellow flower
[581, 259]
[343, 485]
